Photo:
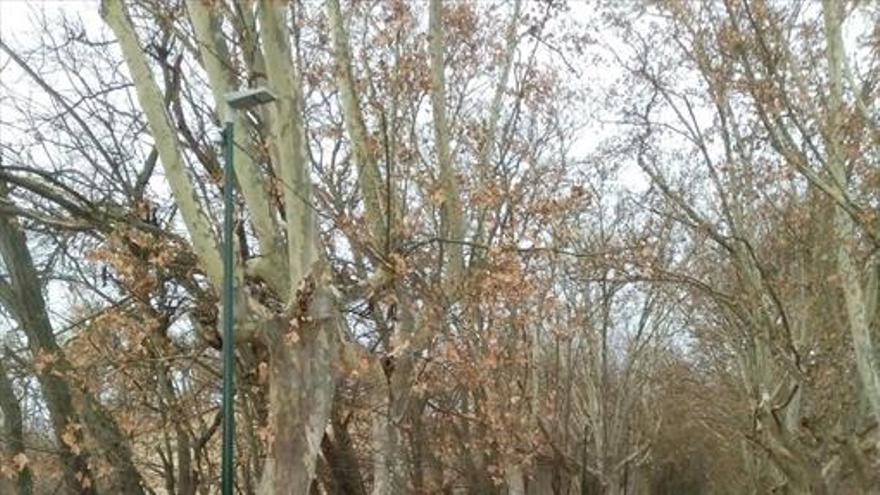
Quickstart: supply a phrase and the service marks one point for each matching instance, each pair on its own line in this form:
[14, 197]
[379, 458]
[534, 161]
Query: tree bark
[338, 448]
[451, 218]
[301, 387]
[288, 133]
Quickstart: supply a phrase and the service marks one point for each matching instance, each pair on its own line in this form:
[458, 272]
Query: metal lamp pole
[235, 101]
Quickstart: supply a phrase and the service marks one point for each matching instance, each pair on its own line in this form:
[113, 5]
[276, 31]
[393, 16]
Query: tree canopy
[480, 247]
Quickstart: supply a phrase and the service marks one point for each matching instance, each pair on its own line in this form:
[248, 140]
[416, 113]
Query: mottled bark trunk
[367, 168]
[152, 102]
[214, 54]
[301, 387]
[451, 217]
[419, 447]
[803, 474]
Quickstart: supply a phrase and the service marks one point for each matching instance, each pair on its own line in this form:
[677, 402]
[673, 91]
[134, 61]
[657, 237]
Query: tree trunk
[516, 483]
[13, 436]
[391, 466]
[301, 389]
[345, 476]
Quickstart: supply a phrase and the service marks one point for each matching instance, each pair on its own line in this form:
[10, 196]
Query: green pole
[227, 460]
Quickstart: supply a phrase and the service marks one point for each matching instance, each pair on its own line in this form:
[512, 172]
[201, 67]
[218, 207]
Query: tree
[71, 410]
[767, 216]
[480, 247]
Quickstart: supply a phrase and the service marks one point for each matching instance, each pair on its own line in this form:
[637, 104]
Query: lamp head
[248, 98]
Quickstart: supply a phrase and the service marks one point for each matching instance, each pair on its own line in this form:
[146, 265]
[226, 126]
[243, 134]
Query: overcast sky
[16, 16]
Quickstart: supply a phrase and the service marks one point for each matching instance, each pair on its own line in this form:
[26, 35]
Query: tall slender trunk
[391, 465]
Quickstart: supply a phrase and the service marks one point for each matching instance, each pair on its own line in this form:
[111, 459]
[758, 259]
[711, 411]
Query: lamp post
[235, 101]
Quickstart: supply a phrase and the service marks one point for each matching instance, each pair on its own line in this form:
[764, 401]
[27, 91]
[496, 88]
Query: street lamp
[235, 101]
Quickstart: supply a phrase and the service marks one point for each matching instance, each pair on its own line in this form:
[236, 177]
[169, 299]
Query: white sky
[16, 16]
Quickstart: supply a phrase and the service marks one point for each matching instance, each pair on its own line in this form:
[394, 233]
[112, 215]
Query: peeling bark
[288, 132]
[302, 379]
[368, 170]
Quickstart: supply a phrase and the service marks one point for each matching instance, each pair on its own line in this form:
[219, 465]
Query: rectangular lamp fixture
[251, 97]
